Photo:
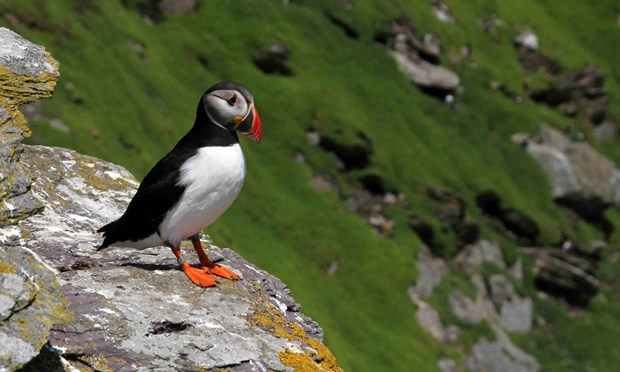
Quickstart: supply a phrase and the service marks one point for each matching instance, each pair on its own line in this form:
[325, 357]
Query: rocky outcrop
[565, 275]
[274, 60]
[581, 92]
[29, 294]
[418, 58]
[580, 177]
[121, 309]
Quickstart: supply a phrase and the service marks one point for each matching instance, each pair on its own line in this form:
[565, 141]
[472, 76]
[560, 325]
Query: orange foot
[198, 276]
[221, 271]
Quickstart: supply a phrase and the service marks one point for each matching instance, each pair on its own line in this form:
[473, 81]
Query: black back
[159, 190]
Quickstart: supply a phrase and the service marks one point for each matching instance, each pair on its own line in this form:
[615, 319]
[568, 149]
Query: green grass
[134, 110]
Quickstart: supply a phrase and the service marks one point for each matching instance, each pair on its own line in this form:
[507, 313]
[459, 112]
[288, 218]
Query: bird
[194, 184]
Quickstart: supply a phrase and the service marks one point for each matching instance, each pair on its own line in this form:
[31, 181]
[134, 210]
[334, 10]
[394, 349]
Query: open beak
[251, 126]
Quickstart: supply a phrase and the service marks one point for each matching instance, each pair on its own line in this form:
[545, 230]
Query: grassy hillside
[129, 89]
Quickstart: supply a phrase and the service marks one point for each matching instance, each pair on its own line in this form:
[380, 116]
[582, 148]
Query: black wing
[156, 195]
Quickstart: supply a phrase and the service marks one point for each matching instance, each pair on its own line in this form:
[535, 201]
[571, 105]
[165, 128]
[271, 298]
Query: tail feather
[108, 233]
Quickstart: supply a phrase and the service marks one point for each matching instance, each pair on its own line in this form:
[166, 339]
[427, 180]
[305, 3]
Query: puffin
[192, 185]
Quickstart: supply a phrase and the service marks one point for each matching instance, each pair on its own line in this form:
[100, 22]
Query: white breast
[212, 179]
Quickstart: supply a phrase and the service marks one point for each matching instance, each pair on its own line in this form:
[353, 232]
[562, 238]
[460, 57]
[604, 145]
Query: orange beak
[251, 126]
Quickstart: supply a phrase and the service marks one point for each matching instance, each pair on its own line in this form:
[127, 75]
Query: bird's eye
[232, 100]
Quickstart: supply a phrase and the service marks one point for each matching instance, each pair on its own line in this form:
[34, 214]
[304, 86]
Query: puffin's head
[229, 105]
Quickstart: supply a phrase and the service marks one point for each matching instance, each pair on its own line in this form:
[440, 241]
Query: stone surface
[27, 73]
[129, 304]
[274, 59]
[30, 300]
[465, 309]
[472, 256]
[515, 311]
[418, 58]
[494, 356]
[579, 93]
[510, 221]
[181, 7]
[431, 271]
[565, 275]
[580, 177]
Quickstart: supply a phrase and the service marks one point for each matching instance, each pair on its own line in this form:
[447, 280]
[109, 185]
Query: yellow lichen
[6, 269]
[318, 358]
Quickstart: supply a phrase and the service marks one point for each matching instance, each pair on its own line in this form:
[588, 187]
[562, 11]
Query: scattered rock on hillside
[465, 309]
[418, 58]
[581, 92]
[347, 27]
[441, 11]
[431, 271]
[580, 177]
[353, 155]
[606, 131]
[474, 255]
[527, 39]
[515, 223]
[274, 59]
[180, 7]
[499, 356]
[565, 275]
[452, 212]
[515, 311]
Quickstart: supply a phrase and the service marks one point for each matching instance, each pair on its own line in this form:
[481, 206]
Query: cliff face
[64, 305]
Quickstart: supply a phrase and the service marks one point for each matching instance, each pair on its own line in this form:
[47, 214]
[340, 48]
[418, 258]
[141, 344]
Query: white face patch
[223, 106]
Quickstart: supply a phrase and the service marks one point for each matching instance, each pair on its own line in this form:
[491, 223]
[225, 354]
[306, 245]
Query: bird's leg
[209, 266]
[197, 276]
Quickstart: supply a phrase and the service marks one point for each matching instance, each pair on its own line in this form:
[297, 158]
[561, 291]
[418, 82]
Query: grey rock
[527, 39]
[428, 318]
[472, 256]
[431, 271]
[495, 356]
[465, 309]
[447, 365]
[441, 11]
[516, 270]
[515, 312]
[181, 7]
[606, 131]
[28, 295]
[129, 304]
[564, 275]
[425, 74]
[580, 177]
[22, 57]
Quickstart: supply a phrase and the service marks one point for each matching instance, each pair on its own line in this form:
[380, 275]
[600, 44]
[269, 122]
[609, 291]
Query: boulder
[581, 92]
[465, 309]
[180, 7]
[580, 177]
[514, 223]
[515, 312]
[498, 356]
[431, 271]
[418, 58]
[565, 275]
[472, 256]
[274, 59]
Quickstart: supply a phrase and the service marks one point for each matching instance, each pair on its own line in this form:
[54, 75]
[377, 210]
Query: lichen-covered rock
[27, 73]
[133, 308]
[30, 300]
